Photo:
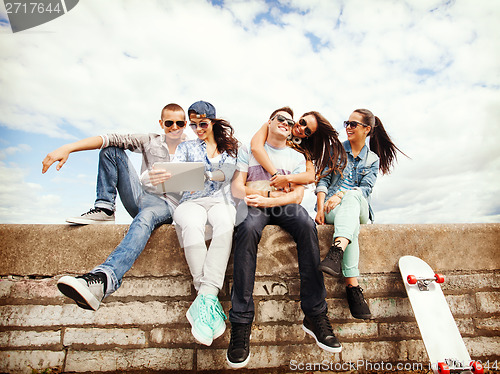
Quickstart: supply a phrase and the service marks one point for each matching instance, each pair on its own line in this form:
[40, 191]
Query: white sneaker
[86, 290]
[93, 216]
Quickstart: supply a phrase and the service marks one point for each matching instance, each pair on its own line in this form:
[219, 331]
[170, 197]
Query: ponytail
[380, 141]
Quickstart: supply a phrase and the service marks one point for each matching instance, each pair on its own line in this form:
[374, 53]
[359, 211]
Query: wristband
[268, 193]
[275, 174]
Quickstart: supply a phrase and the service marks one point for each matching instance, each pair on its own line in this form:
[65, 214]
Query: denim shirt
[363, 169]
[196, 151]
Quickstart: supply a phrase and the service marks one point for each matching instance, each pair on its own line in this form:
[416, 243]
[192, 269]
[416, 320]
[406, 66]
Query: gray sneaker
[86, 290]
[93, 216]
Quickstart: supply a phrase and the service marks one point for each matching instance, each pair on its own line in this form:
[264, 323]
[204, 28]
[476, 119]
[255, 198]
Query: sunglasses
[202, 125]
[280, 118]
[171, 123]
[353, 124]
[307, 130]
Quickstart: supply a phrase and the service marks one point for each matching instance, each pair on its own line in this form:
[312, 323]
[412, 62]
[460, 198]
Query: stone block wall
[142, 327]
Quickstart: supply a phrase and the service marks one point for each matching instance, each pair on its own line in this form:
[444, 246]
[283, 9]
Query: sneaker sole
[219, 332]
[238, 365]
[78, 221]
[328, 271]
[321, 345]
[73, 289]
[199, 339]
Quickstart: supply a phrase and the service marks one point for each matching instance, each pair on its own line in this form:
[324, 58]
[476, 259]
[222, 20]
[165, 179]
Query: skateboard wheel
[439, 278]
[477, 367]
[443, 368]
[411, 279]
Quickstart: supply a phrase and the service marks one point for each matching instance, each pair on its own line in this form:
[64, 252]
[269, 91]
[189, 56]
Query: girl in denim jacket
[343, 199]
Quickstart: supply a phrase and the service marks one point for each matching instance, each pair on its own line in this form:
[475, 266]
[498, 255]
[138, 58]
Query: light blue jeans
[347, 217]
[116, 173]
[149, 211]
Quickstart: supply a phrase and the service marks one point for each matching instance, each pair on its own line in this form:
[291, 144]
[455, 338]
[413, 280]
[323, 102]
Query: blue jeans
[149, 211]
[295, 220]
[116, 173]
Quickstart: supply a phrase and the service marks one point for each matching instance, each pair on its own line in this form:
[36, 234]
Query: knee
[188, 222]
[303, 219]
[248, 227]
[146, 218]
[306, 227]
[353, 194]
[247, 232]
[111, 153]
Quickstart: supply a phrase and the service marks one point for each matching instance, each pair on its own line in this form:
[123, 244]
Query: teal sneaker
[199, 317]
[207, 319]
[218, 316]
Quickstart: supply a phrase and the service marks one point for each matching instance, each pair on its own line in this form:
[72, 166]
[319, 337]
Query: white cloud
[13, 150]
[428, 69]
[22, 202]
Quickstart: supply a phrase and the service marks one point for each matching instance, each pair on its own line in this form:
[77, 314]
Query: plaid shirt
[196, 151]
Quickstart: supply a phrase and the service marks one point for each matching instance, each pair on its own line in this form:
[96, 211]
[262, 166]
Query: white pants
[207, 266]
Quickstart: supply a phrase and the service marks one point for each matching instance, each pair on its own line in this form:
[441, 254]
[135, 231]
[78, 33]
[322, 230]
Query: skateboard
[443, 342]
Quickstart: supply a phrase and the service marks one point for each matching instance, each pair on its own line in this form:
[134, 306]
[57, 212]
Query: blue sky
[429, 69]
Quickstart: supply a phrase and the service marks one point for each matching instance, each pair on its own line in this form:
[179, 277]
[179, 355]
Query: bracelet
[340, 194]
[268, 193]
[275, 174]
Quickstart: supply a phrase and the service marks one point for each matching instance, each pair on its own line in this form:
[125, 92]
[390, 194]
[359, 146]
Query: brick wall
[143, 328]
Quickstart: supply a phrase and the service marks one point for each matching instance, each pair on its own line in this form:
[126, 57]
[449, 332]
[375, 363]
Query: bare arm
[258, 151]
[61, 154]
[282, 181]
[277, 198]
[320, 202]
[258, 198]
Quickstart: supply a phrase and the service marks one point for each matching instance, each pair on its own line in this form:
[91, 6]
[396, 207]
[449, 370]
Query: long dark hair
[224, 137]
[380, 141]
[323, 147]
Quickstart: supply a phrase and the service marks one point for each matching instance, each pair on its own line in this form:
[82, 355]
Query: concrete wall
[143, 328]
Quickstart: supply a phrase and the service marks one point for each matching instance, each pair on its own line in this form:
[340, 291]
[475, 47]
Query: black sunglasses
[202, 125]
[353, 124]
[171, 123]
[280, 118]
[307, 130]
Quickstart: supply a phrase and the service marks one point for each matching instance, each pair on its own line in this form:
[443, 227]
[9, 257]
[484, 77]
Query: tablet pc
[186, 176]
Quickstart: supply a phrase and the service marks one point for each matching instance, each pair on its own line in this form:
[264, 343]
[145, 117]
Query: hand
[61, 154]
[331, 203]
[157, 176]
[256, 201]
[280, 182]
[320, 217]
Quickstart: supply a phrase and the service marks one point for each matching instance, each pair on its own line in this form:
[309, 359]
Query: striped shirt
[285, 160]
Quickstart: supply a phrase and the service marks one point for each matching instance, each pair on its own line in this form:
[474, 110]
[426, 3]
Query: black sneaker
[320, 329]
[238, 352]
[86, 290]
[332, 264]
[357, 304]
[93, 216]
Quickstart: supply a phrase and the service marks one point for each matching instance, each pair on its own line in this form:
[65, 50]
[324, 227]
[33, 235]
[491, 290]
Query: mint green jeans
[346, 217]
